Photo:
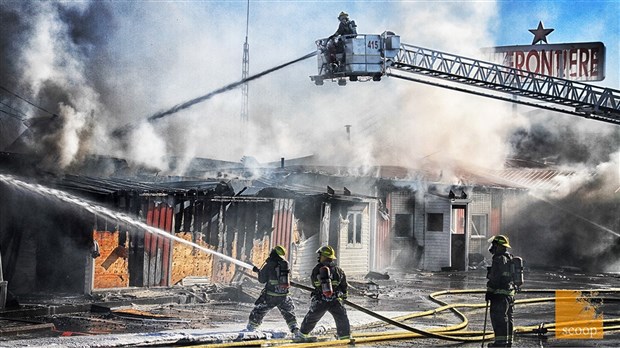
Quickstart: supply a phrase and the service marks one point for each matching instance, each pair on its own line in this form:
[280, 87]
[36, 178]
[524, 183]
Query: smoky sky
[562, 233]
[550, 141]
[50, 53]
[14, 30]
[102, 65]
[106, 64]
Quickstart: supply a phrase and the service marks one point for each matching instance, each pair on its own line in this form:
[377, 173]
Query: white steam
[159, 54]
[393, 122]
[147, 148]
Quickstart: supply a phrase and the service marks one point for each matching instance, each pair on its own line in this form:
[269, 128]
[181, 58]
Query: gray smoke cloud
[102, 65]
[46, 64]
[577, 225]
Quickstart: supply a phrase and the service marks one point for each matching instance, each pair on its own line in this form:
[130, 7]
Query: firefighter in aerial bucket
[330, 291]
[505, 276]
[335, 43]
[275, 275]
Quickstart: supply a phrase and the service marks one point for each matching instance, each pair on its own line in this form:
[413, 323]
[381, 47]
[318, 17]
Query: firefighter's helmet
[500, 240]
[343, 14]
[280, 250]
[327, 252]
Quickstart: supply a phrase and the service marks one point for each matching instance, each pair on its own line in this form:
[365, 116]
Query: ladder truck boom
[468, 75]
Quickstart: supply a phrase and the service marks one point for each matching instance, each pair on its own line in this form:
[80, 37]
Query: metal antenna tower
[245, 68]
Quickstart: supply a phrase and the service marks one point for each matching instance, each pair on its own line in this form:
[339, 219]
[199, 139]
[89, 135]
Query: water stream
[200, 99]
[182, 106]
[104, 212]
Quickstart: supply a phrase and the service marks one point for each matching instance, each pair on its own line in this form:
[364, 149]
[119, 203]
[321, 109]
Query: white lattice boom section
[501, 82]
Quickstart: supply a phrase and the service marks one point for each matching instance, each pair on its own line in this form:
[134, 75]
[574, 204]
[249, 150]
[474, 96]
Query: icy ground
[209, 314]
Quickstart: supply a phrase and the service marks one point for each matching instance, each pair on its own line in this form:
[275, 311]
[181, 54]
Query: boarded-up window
[435, 222]
[355, 228]
[403, 225]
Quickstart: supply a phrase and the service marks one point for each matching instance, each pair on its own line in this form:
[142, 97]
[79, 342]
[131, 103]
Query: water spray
[601, 227]
[179, 107]
[189, 103]
[110, 214]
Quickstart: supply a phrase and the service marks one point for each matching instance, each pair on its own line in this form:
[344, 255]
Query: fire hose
[401, 325]
[454, 332]
[394, 322]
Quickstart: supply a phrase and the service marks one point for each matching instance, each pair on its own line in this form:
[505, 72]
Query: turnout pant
[318, 308]
[265, 303]
[501, 319]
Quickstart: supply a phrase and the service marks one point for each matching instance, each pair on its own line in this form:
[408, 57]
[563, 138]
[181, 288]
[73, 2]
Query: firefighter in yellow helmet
[275, 275]
[330, 291]
[500, 292]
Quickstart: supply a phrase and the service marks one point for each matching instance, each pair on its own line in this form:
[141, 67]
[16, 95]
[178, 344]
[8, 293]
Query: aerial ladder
[373, 56]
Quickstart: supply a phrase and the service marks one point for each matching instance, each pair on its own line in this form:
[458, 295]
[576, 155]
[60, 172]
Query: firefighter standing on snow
[275, 275]
[500, 292]
[330, 291]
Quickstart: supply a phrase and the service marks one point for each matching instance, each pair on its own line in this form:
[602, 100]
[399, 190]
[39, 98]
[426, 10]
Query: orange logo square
[578, 315]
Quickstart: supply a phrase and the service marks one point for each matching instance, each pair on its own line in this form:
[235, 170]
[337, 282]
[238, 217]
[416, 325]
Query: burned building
[47, 244]
[390, 220]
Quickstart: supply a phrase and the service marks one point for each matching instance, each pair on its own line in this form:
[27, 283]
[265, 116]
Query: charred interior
[124, 167]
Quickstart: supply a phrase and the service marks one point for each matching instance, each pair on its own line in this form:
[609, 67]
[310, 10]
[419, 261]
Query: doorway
[458, 237]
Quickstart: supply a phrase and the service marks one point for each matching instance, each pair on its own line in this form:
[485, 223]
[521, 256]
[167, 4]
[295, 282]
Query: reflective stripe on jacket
[269, 276]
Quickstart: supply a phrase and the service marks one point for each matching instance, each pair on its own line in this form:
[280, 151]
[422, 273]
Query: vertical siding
[156, 247]
[353, 258]
[305, 257]
[282, 223]
[382, 243]
[437, 253]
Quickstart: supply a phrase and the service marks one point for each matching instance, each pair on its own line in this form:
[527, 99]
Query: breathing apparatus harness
[281, 281]
[515, 263]
[515, 267]
[276, 277]
[325, 277]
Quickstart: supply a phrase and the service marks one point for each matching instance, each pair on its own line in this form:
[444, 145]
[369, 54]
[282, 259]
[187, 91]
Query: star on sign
[540, 33]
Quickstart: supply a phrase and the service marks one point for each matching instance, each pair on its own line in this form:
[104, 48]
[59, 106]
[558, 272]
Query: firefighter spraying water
[275, 275]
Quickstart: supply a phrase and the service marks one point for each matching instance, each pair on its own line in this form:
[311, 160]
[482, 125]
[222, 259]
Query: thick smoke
[110, 64]
[577, 224]
[46, 64]
[551, 139]
[102, 65]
